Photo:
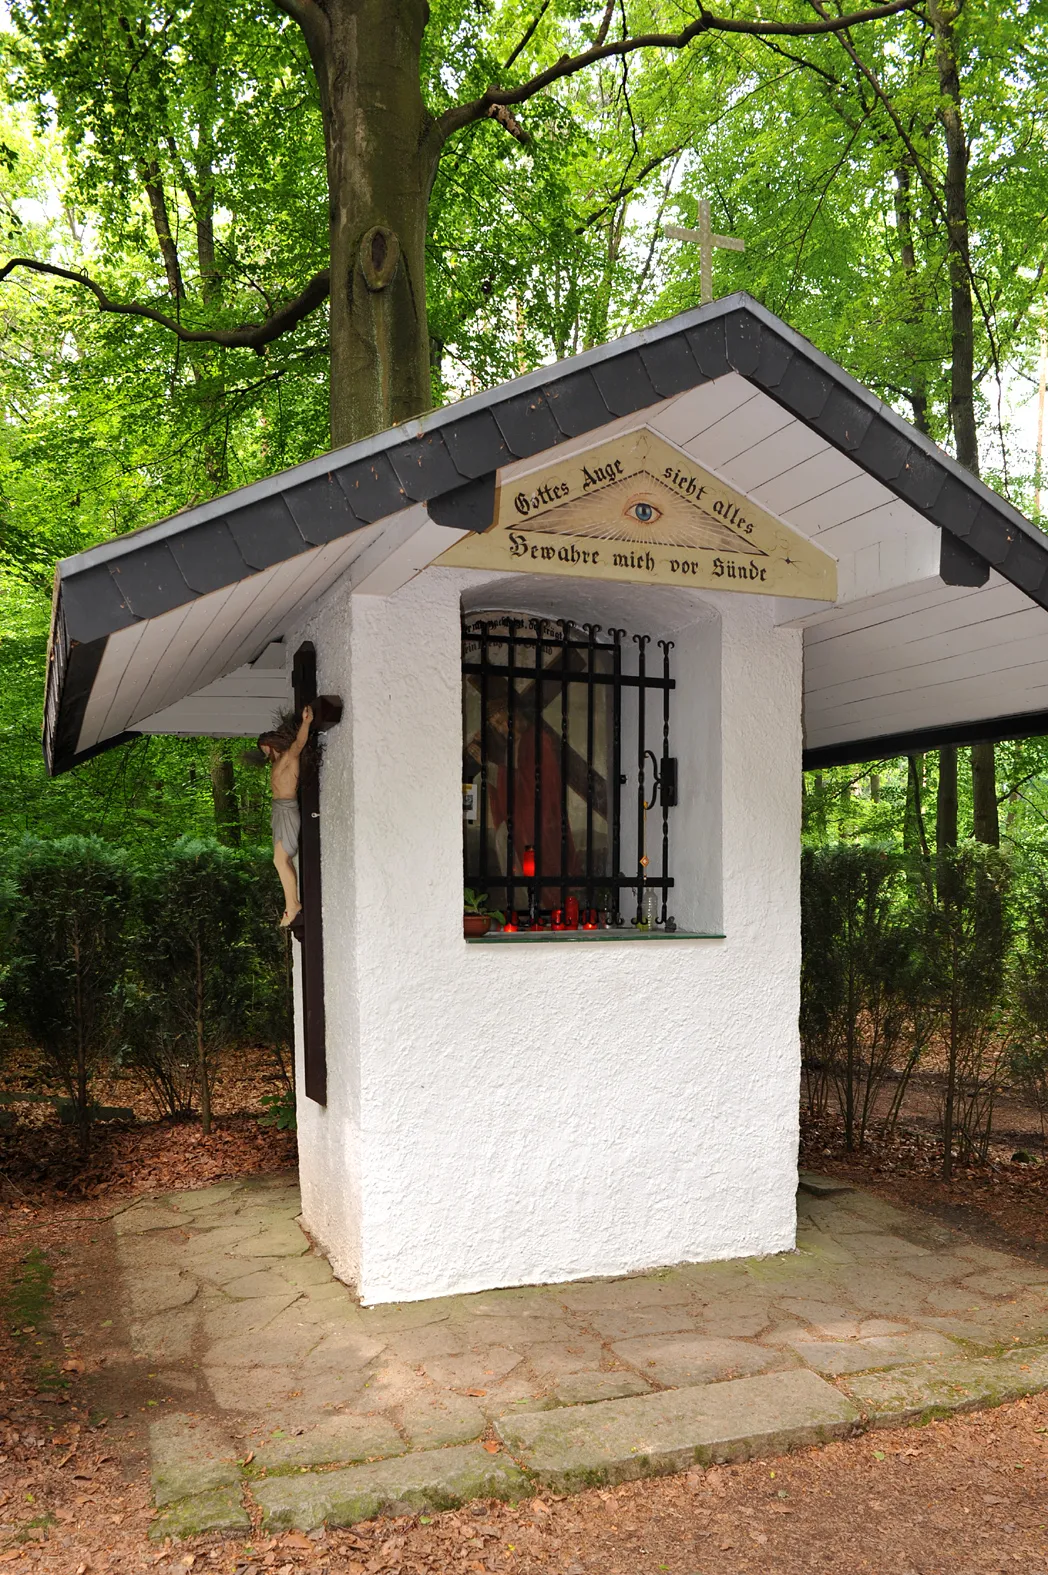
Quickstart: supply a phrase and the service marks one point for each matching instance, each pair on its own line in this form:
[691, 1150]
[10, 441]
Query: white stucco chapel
[580, 636]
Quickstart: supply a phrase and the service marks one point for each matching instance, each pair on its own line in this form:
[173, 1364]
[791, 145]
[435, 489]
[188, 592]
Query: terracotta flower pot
[475, 924]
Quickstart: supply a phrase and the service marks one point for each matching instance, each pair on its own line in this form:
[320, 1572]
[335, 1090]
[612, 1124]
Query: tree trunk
[985, 822]
[946, 817]
[81, 1112]
[962, 371]
[914, 835]
[381, 159]
[224, 798]
[946, 804]
[952, 1052]
[162, 225]
[907, 256]
[201, 1045]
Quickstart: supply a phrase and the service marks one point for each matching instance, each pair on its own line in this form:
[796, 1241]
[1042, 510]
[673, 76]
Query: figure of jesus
[282, 749]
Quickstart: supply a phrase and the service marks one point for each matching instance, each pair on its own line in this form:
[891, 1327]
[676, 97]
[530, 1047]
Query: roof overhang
[940, 630]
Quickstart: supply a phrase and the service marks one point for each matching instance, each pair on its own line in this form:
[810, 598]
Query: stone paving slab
[581, 1446]
[339, 1440]
[431, 1421]
[220, 1510]
[242, 1320]
[189, 1455]
[435, 1479]
[936, 1389]
[835, 1358]
[678, 1361]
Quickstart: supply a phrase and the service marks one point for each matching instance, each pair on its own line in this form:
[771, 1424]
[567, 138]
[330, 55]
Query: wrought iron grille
[561, 784]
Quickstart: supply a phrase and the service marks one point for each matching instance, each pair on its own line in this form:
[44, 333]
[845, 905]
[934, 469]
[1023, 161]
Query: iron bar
[665, 646]
[536, 889]
[641, 641]
[483, 781]
[616, 769]
[591, 662]
[563, 765]
[511, 759]
[626, 681]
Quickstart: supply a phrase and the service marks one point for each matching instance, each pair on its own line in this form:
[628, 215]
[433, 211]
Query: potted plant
[476, 915]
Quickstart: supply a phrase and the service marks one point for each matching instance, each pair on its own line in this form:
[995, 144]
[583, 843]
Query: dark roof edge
[918, 439]
[66, 762]
[738, 307]
[453, 454]
[418, 426]
[890, 746]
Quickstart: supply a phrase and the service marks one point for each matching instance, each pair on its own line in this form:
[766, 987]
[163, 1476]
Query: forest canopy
[889, 178]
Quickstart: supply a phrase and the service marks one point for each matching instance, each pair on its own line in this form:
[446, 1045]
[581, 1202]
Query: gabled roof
[172, 628]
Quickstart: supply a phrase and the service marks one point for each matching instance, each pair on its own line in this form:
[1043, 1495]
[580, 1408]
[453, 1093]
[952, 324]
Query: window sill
[587, 937]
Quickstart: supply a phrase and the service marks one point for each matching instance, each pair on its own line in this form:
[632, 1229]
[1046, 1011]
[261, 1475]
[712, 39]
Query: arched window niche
[581, 705]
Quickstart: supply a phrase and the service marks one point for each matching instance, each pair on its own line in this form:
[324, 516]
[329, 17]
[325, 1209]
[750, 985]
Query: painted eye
[642, 511]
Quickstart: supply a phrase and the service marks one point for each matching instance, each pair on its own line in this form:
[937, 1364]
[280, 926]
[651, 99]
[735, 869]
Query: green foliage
[863, 1006]
[1028, 1049]
[902, 956]
[191, 961]
[279, 1110]
[66, 954]
[966, 944]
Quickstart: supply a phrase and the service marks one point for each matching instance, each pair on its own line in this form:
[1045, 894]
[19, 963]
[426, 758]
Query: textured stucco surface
[509, 1115]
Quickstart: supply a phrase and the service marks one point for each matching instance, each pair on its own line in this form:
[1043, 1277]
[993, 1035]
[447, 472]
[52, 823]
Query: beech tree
[112, 74]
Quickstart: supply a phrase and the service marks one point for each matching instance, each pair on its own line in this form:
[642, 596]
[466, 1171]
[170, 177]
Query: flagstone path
[287, 1395]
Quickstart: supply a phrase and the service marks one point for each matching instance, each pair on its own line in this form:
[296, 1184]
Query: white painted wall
[529, 1113]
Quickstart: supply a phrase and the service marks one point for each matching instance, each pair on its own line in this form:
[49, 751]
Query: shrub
[967, 935]
[191, 962]
[861, 997]
[71, 911]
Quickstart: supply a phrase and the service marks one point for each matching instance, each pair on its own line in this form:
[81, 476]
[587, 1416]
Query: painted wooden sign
[637, 508]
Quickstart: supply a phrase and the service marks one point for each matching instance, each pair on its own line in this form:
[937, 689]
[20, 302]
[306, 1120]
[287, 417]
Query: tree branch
[626, 191]
[528, 34]
[461, 115]
[248, 336]
[602, 31]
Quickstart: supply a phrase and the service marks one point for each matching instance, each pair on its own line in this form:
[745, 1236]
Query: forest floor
[967, 1495]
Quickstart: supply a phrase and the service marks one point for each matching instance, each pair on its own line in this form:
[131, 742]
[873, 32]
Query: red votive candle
[571, 914]
[527, 863]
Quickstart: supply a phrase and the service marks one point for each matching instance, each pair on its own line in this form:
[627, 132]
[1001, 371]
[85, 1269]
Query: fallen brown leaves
[162, 1156]
[968, 1496]
[1006, 1198]
[39, 1156]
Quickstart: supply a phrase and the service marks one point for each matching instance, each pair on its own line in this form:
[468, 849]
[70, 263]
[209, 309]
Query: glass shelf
[627, 933]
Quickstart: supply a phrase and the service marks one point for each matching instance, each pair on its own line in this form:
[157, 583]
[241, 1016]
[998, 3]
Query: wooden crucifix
[327, 711]
[706, 241]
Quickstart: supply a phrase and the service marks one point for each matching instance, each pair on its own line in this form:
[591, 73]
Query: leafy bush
[279, 1110]
[861, 992]
[71, 906]
[967, 935]
[190, 959]
[1028, 1049]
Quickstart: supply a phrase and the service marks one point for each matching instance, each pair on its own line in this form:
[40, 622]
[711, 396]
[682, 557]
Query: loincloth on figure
[286, 822]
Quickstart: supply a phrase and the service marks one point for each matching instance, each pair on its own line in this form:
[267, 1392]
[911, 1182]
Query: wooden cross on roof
[707, 241]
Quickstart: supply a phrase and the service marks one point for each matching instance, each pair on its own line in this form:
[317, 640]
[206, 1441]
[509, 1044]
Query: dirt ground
[967, 1496]
[1003, 1203]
